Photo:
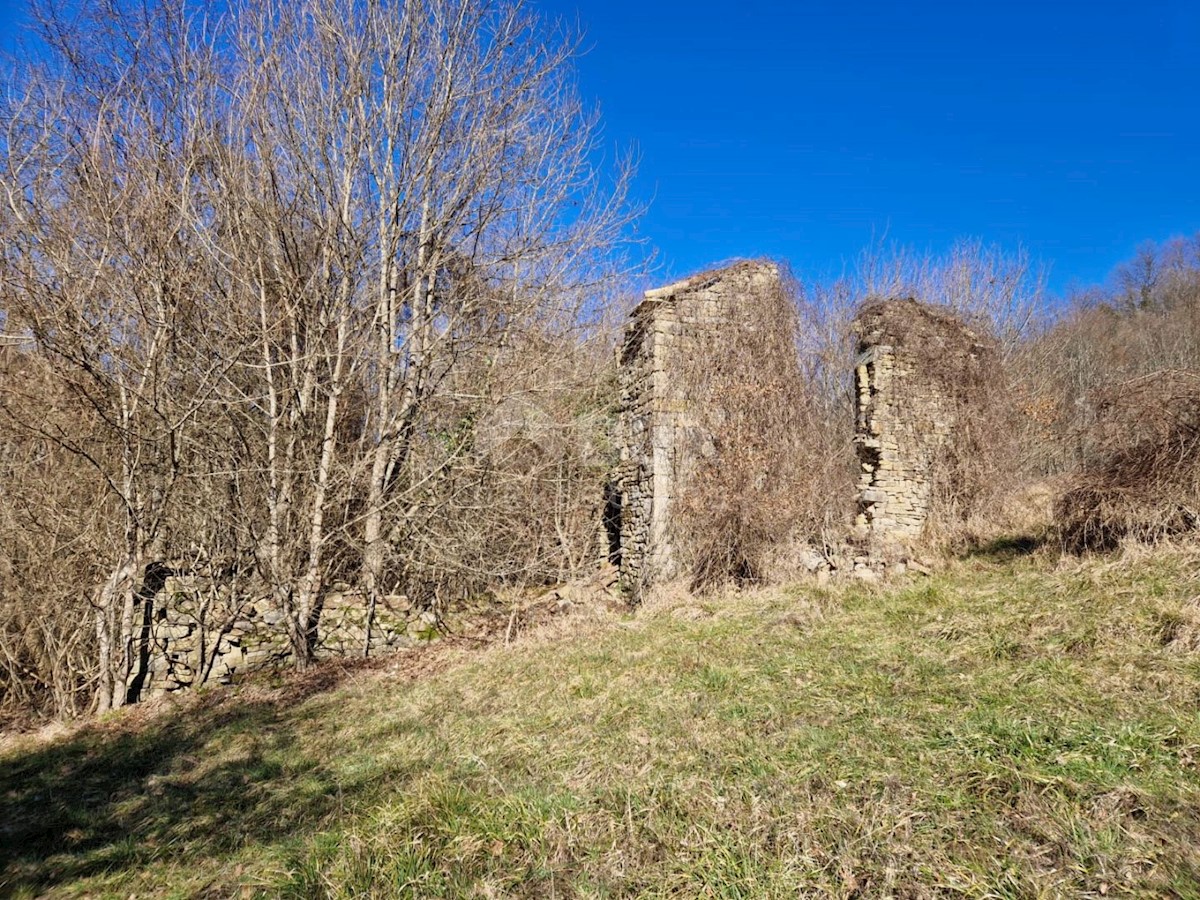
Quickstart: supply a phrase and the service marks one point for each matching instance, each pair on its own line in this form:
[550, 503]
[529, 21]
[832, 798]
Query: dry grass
[1013, 727]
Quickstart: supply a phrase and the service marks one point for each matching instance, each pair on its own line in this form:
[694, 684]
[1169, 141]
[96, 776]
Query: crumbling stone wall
[918, 370]
[194, 637]
[657, 432]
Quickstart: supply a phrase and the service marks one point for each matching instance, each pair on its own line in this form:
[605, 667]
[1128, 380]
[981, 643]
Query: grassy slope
[1004, 729]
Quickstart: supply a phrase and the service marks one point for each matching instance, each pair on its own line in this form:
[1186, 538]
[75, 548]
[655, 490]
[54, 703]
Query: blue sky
[806, 131]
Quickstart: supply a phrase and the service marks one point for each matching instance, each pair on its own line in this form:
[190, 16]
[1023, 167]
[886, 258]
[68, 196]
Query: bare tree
[293, 262]
[428, 200]
[101, 183]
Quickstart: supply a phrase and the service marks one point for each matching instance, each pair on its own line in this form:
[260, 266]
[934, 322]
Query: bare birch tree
[446, 165]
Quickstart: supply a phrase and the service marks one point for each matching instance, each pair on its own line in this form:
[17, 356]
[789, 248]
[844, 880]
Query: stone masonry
[659, 441]
[193, 636]
[915, 368]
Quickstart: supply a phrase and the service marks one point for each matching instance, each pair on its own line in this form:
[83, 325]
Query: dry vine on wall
[757, 482]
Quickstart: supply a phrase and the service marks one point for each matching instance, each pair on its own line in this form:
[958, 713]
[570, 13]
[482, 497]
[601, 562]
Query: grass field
[1012, 727]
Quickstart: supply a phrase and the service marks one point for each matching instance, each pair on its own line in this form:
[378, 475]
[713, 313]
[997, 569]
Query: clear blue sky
[806, 130]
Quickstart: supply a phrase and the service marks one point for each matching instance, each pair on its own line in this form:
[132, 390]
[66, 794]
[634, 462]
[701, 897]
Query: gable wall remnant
[918, 368]
[658, 434]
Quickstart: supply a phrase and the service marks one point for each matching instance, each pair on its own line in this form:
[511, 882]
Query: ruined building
[660, 440]
[918, 372]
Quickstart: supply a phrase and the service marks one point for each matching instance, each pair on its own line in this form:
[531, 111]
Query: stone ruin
[917, 369]
[194, 633]
[657, 433]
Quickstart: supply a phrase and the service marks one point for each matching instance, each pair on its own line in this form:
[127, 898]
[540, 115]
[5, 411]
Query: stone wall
[658, 438]
[193, 636]
[917, 368]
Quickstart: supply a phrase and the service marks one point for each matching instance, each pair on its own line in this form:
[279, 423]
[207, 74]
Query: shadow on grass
[1007, 549]
[108, 800]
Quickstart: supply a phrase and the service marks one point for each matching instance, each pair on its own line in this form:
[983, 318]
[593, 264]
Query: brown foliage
[52, 505]
[1144, 482]
[1106, 396]
[763, 477]
[1147, 321]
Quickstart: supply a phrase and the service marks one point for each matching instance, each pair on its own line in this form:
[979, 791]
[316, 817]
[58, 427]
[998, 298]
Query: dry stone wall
[194, 637]
[916, 372]
[657, 432]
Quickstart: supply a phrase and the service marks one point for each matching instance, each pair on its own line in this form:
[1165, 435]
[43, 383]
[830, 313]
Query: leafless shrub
[522, 461]
[1144, 483]
[1000, 292]
[51, 533]
[825, 343]
[1147, 320]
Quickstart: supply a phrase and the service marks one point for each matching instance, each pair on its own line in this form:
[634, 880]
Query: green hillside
[1014, 727]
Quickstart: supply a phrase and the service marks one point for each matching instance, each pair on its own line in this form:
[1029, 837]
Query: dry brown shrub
[1144, 483]
[52, 513]
[759, 482]
[523, 463]
[1145, 321]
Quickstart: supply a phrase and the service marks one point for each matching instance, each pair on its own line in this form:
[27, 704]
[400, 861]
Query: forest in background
[328, 293]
